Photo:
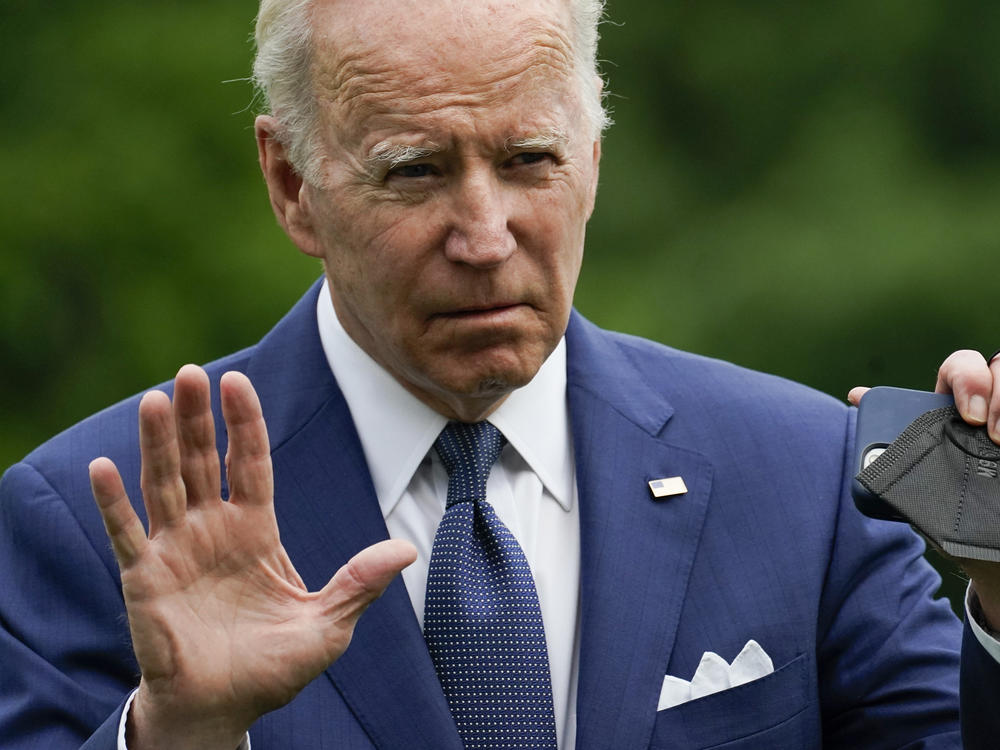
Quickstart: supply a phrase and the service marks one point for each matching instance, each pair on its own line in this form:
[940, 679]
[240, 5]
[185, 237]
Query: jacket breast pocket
[767, 712]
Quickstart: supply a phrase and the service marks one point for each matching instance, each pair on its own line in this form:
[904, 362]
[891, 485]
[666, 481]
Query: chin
[504, 371]
[486, 375]
[495, 387]
[482, 384]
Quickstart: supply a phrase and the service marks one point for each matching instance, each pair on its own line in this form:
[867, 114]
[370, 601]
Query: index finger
[969, 378]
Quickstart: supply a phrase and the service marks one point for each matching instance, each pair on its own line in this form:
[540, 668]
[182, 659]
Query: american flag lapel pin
[667, 486]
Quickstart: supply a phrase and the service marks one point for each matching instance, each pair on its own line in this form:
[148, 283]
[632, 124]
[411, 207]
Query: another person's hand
[222, 626]
[975, 384]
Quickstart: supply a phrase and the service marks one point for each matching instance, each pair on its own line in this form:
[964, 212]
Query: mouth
[494, 316]
[482, 311]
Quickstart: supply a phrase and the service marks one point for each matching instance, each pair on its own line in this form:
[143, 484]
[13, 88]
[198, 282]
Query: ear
[595, 174]
[289, 193]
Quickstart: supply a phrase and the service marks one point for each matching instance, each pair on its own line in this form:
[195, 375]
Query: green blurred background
[810, 189]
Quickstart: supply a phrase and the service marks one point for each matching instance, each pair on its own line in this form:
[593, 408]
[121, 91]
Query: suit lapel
[636, 551]
[327, 511]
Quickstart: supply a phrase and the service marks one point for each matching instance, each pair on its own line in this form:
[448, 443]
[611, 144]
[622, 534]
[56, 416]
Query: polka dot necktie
[482, 621]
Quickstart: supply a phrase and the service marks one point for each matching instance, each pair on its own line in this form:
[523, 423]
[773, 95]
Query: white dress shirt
[532, 487]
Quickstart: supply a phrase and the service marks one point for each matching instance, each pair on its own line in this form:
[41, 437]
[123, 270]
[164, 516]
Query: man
[441, 159]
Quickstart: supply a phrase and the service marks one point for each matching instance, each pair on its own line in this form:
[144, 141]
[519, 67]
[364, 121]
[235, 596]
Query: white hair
[282, 74]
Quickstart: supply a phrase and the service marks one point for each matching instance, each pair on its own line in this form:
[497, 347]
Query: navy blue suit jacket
[766, 544]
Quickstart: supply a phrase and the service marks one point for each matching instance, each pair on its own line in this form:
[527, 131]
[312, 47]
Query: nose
[479, 234]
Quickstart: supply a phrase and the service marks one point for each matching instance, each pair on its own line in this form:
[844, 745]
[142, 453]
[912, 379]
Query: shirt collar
[397, 430]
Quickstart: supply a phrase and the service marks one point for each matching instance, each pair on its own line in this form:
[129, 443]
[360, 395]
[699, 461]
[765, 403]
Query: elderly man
[579, 517]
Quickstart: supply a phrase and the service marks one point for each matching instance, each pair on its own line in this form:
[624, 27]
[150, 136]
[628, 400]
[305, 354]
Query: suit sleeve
[66, 656]
[980, 690]
[888, 652]
[890, 649]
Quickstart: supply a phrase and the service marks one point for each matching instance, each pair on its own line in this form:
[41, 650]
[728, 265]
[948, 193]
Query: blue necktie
[482, 622]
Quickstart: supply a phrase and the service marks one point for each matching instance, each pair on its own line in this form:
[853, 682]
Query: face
[458, 177]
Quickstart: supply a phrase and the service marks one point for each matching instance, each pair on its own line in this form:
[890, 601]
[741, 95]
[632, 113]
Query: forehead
[422, 60]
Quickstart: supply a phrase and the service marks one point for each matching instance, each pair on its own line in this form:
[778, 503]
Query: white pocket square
[714, 674]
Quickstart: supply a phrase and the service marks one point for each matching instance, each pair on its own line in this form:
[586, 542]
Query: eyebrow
[548, 139]
[387, 154]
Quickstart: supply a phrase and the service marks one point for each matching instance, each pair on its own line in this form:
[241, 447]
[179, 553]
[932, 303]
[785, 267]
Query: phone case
[883, 414]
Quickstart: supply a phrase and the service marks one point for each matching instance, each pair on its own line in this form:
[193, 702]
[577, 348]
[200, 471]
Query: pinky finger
[125, 530]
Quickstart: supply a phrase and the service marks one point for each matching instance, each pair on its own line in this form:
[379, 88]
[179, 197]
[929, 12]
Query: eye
[412, 171]
[531, 157]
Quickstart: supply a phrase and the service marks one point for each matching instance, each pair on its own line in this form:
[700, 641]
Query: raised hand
[222, 626]
[975, 384]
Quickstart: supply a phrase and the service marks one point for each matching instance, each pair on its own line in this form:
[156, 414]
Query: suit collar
[636, 552]
[289, 372]
[602, 366]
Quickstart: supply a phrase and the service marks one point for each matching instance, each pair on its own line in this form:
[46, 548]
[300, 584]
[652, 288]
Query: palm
[222, 584]
[222, 624]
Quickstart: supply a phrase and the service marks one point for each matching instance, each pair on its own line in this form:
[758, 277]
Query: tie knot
[468, 452]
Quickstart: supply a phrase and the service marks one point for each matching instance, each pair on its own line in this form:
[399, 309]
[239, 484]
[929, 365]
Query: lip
[484, 310]
[494, 312]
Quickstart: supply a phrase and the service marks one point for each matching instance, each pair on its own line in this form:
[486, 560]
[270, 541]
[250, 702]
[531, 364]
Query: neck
[459, 408]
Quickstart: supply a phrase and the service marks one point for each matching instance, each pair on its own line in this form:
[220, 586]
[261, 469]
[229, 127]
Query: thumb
[363, 579]
[856, 393]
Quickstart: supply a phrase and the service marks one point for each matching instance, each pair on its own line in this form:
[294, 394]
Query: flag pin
[668, 487]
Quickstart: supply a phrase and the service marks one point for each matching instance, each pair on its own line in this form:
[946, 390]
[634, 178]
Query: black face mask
[942, 475]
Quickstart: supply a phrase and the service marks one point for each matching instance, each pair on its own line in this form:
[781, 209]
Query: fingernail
[978, 409]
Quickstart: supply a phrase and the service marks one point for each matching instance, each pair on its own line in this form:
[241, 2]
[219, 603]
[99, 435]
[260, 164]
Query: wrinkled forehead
[410, 52]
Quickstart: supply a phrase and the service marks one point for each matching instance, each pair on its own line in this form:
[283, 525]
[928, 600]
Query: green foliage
[806, 189]
[136, 231]
[809, 189]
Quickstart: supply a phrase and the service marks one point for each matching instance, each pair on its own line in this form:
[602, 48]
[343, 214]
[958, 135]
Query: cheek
[402, 257]
[394, 228]
[557, 230]
[379, 248]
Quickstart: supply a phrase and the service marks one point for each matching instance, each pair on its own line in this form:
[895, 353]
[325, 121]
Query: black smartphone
[883, 414]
